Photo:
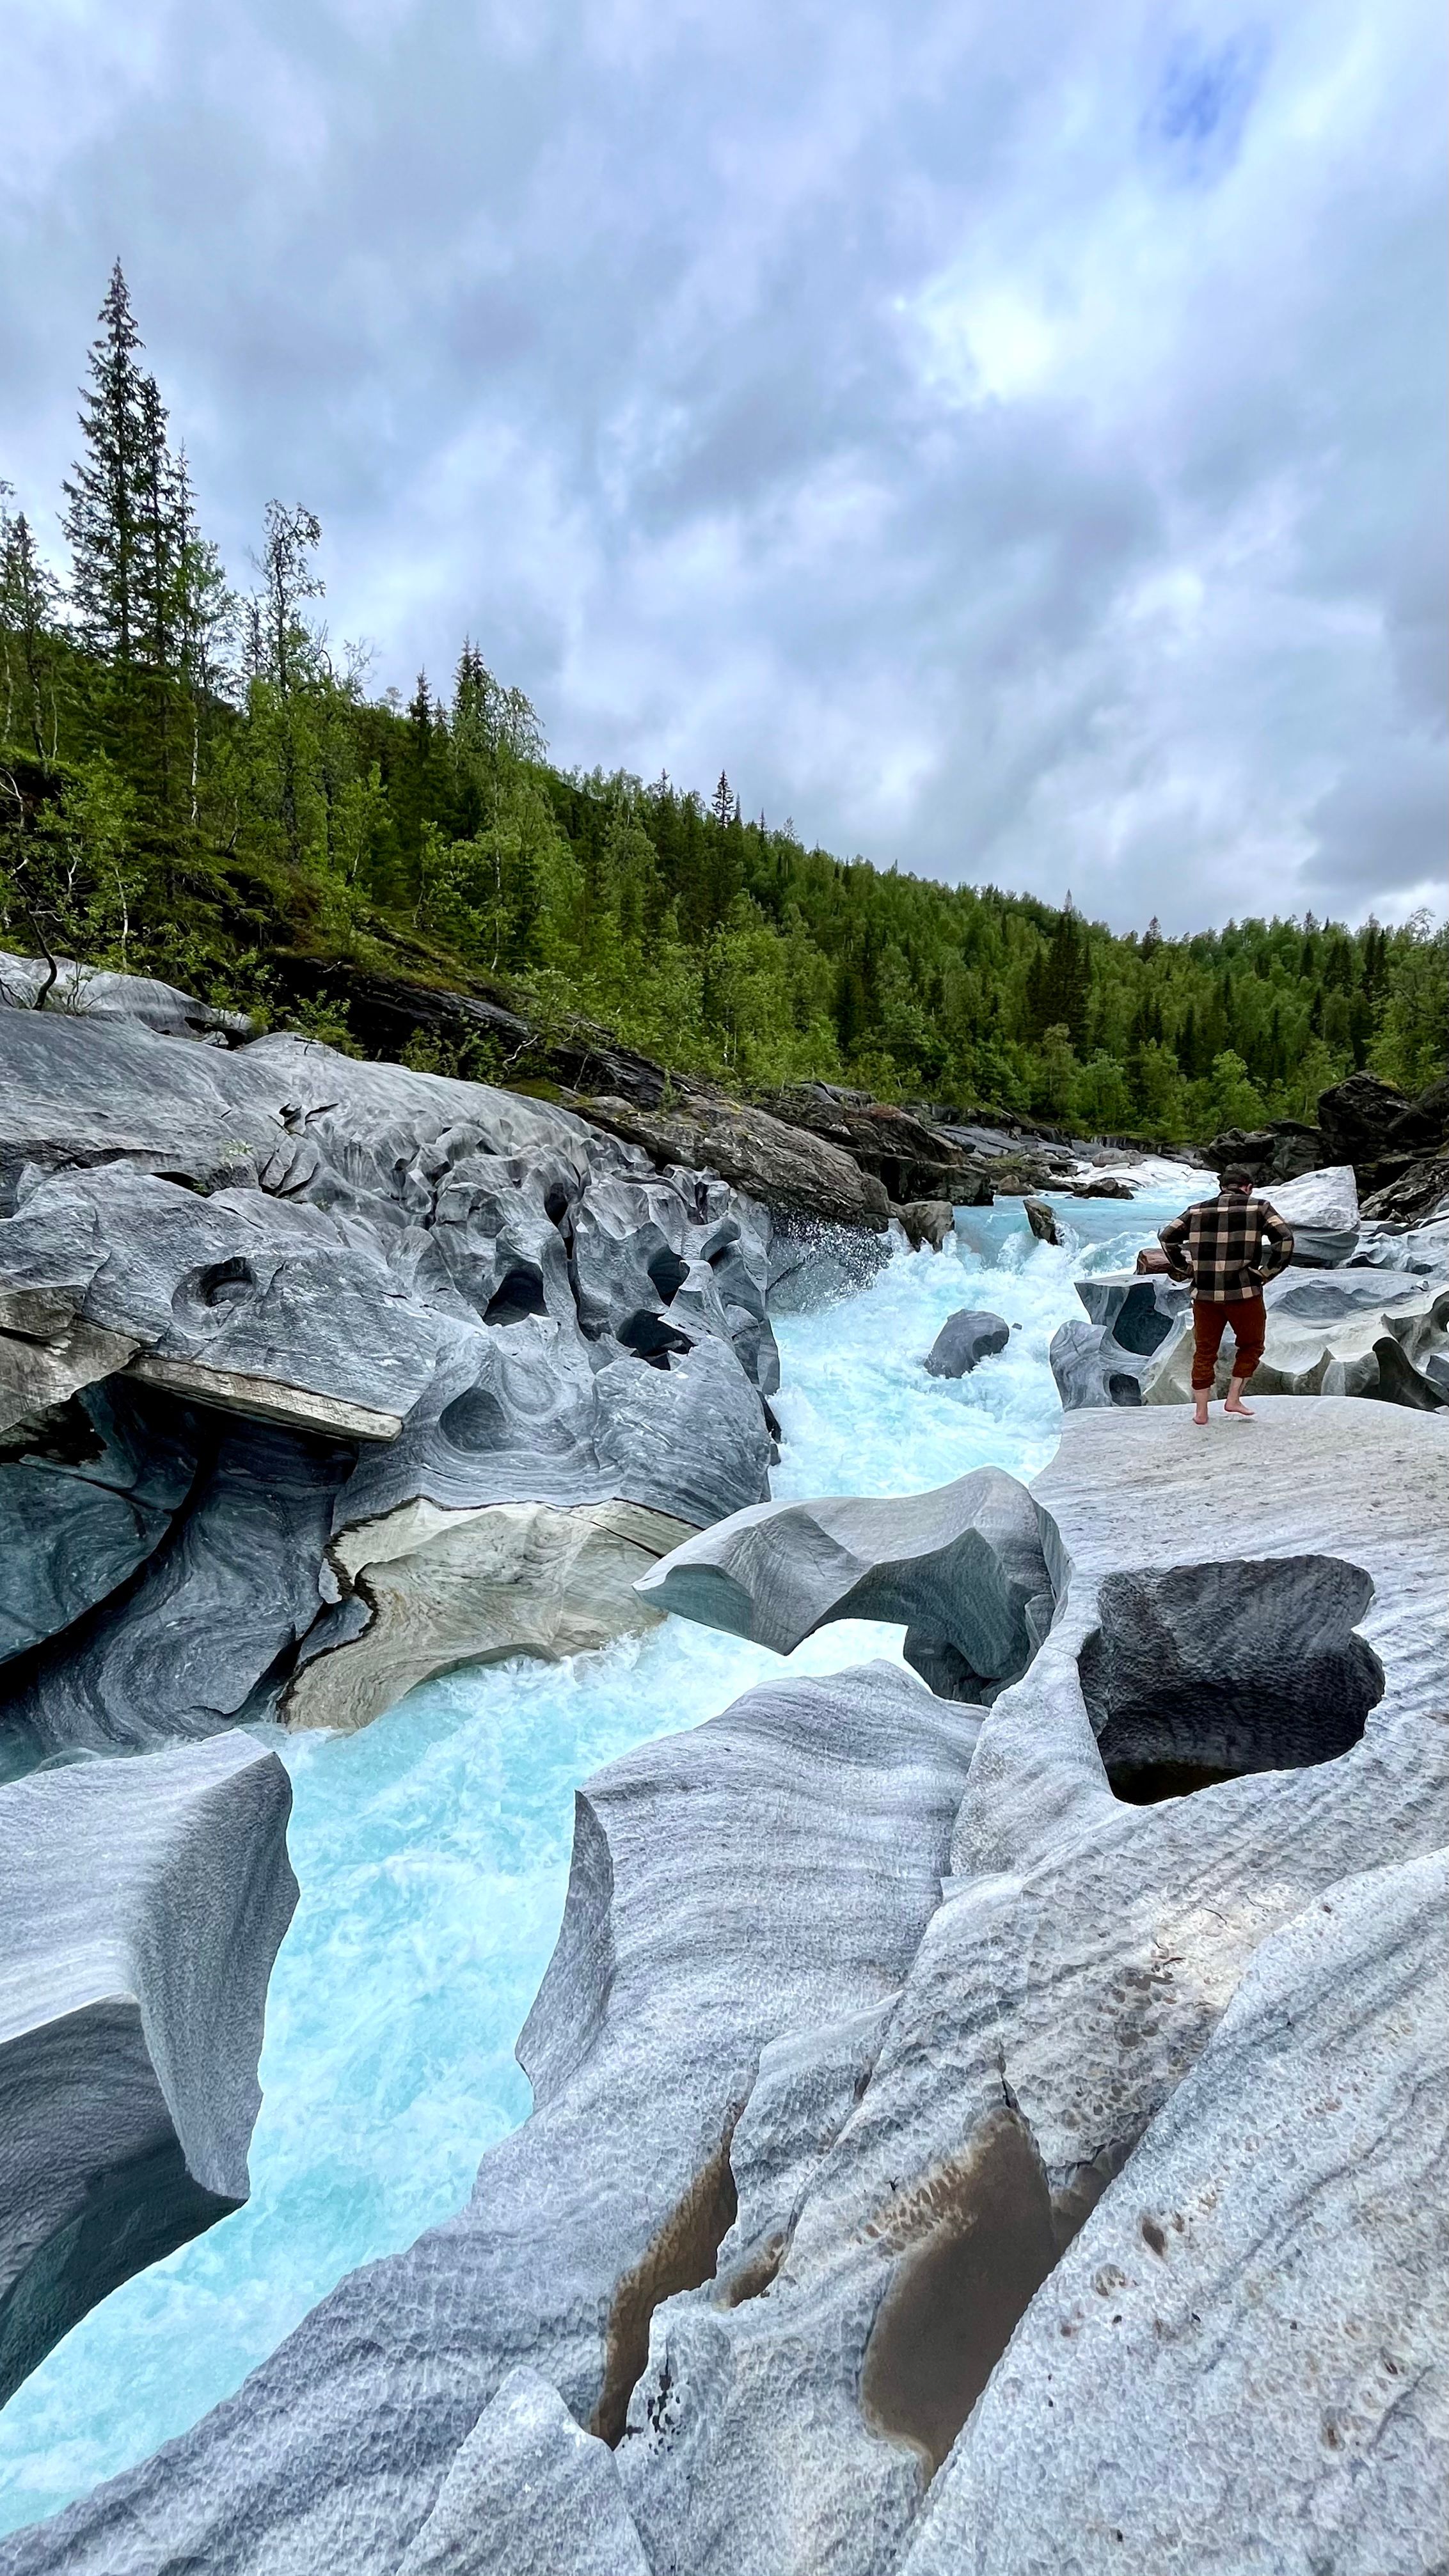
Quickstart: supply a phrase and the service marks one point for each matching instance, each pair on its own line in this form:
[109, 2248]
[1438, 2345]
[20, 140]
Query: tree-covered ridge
[192, 781]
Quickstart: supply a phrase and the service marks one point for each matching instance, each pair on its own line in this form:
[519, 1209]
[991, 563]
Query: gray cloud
[1009, 442]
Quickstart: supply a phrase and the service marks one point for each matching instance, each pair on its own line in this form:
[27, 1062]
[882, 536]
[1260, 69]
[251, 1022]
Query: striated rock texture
[141, 1907]
[257, 1298]
[960, 2137]
[767, 1875]
[439, 1588]
[962, 1570]
[1267, 2294]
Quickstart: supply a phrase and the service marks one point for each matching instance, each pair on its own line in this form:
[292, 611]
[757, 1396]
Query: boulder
[965, 1339]
[1042, 1221]
[1357, 1116]
[961, 1569]
[142, 1905]
[1414, 1194]
[1278, 1152]
[931, 1221]
[1101, 1189]
[1327, 1199]
[764, 1876]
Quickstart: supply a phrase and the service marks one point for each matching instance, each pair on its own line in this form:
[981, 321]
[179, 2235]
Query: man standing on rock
[1220, 1246]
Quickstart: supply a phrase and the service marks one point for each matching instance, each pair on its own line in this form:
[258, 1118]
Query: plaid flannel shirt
[1219, 1246]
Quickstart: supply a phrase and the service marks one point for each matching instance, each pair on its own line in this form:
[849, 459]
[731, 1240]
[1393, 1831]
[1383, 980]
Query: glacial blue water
[433, 1848]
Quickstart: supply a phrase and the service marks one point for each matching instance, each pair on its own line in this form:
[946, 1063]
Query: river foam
[433, 1848]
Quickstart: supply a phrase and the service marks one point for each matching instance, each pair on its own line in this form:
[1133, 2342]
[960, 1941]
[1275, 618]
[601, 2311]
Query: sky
[1008, 441]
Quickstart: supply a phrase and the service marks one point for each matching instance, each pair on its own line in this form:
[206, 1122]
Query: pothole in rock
[650, 1338]
[1199, 1673]
[517, 1296]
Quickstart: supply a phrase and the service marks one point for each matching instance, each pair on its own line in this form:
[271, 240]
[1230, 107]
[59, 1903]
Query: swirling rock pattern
[907, 2078]
[766, 1875]
[141, 1907]
[361, 1288]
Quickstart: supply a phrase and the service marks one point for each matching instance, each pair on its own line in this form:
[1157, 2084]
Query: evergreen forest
[194, 782]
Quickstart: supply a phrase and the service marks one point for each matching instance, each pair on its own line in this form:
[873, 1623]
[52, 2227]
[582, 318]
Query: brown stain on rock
[680, 2256]
[978, 2237]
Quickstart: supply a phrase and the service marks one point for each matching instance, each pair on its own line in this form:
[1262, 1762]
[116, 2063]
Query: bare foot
[1236, 1405]
[1200, 1418]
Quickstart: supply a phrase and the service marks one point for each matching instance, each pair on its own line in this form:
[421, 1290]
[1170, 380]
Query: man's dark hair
[1237, 1177]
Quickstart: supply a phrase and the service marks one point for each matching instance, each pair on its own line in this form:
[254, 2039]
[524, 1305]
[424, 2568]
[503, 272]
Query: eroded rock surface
[351, 1292]
[141, 1907]
[1263, 2287]
[962, 1570]
[764, 1877]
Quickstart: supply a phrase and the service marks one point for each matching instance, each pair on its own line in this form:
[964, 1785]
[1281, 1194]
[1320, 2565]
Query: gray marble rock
[964, 1340]
[487, 1301]
[1327, 1200]
[1106, 1360]
[529, 2494]
[209, 1636]
[767, 1875]
[961, 1569]
[1085, 1951]
[142, 1905]
[1264, 2286]
[93, 992]
[88, 1489]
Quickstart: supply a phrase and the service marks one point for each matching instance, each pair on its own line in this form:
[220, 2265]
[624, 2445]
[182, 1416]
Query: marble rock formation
[1351, 1333]
[93, 992]
[433, 1588]
[1364, 1331]
[1105, 1359]
[342, 1292]
[964, 1340]
[529, 2494]
[1284, 2214]
[917, 2091]
[961, 1569]
[142, 1905]
[1091, 1937]
[763, 1878]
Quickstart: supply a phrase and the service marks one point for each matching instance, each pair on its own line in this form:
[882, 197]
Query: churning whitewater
[433, 1850]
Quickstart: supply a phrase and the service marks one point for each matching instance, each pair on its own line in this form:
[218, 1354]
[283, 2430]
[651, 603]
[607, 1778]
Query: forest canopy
[194, 782]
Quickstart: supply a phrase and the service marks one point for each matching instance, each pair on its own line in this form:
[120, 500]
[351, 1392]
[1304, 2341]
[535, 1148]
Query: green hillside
[193, 783]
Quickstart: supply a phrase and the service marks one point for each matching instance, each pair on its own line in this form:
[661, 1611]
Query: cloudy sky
[1009, 440]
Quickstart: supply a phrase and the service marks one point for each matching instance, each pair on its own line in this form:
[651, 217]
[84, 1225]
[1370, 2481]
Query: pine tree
[103, 522]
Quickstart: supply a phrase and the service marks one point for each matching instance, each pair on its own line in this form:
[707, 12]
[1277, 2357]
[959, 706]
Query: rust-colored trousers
[1249, 1319]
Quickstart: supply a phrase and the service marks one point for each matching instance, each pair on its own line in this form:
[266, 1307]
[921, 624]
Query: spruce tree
[103, 521]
